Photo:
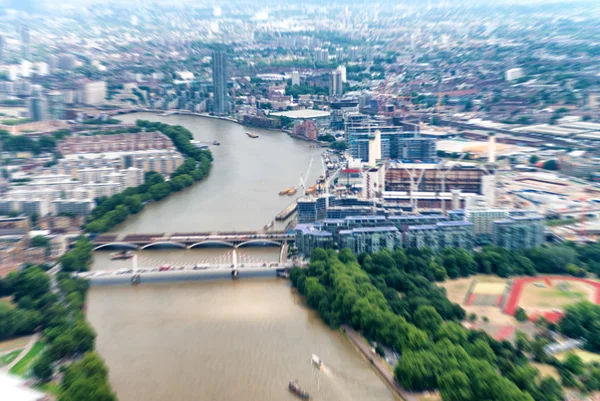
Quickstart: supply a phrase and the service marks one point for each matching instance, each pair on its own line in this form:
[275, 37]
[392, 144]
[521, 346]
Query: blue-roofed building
[370, 239]
[519, 230]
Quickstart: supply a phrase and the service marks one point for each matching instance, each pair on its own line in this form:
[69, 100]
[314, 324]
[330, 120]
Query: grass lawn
[571, 294]
[25, 364]
[48, 388]
[586, 356]
[6, 302]
[8, 358]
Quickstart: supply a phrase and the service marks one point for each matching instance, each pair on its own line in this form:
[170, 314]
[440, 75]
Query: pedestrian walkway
[379, 364]
[34, 339]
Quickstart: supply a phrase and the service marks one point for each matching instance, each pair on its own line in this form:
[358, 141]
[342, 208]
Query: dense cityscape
[338, 201]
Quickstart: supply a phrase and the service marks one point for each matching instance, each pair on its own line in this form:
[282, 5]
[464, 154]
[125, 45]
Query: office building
[92, 92]
[219, 79]
[422, 150]
[340, 110]
[295, 78]
[37, 109]
[1, 49]
[325, 55]
[360, 132]
[25, 39]
[56, 105]
[519, 230]
[336, 86]
[353, 53]
[339, 53]
[311, 209]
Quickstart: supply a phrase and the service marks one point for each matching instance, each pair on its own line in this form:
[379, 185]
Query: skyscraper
[24, 34]
[219, 72]
[336, 86]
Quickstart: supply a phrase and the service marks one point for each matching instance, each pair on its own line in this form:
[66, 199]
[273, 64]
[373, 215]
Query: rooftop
[302, 114]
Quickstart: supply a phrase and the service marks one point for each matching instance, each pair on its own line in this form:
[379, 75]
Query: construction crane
[303, 179]
[444, 174]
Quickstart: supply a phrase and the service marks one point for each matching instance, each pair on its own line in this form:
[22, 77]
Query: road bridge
[193, 240]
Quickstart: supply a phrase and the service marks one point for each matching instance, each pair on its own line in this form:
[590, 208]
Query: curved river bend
[225, 340]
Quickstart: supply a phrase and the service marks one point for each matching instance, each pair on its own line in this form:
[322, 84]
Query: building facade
[219, 79]
[519, 230]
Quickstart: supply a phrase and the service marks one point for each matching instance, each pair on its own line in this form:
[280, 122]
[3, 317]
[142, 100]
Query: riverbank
[378, 364]
[233, 120]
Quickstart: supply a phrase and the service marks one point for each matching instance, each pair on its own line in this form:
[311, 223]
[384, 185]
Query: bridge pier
[283, 253]
[234, 257]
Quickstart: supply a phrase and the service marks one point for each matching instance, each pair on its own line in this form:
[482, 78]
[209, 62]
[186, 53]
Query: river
[241, 192]
[223, 340]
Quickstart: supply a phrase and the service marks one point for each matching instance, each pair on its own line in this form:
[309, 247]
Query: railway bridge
[193, 240]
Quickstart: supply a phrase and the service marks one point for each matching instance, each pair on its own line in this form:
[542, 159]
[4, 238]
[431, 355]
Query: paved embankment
[379, 364]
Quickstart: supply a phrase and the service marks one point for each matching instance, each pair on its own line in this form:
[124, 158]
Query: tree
[550, 165]
[428, 319]
[522, 341]
[574, 364]
[533, 159]
[550, 390]
[32, 282]
[520, 314]
[42, 368]
[64, 345]
[39, 241]
[86, 379]
[417, 370]
[455, 386]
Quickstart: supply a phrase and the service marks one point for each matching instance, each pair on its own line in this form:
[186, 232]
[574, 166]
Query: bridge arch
[168, 243]
[213, 242]
[260, 242]
[121, 245]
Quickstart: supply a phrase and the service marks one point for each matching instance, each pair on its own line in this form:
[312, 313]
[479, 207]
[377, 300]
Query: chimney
[492, 148]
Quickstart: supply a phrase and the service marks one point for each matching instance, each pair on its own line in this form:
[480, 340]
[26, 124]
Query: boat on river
[121, 255]
[292, 192]
[217, 143]
[295, 388]
[251, 135]
[286, 191]
[316, 361]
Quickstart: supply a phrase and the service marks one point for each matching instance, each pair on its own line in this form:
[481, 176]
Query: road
[379, 364]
